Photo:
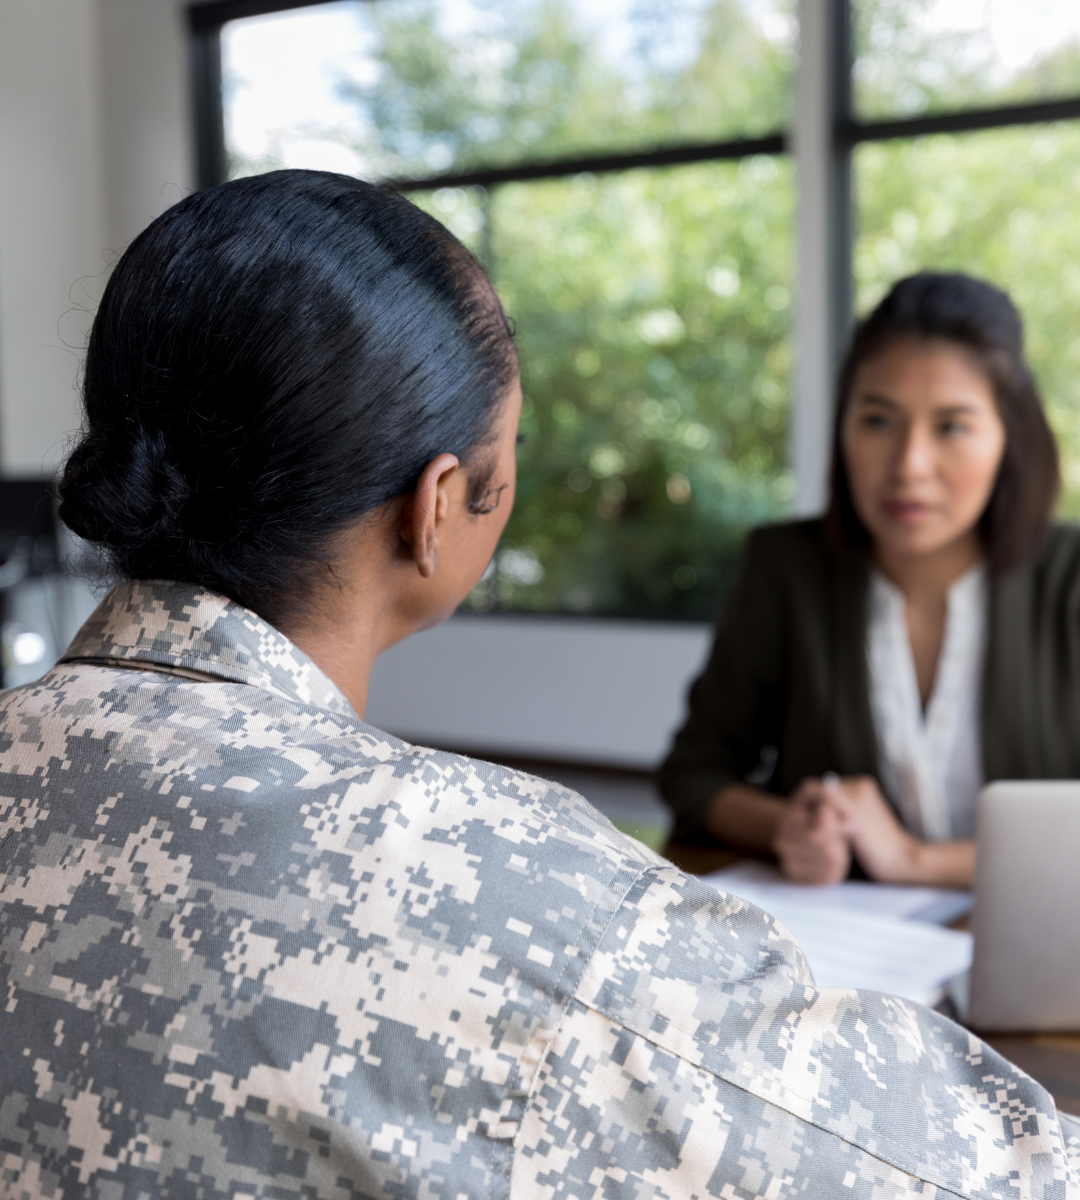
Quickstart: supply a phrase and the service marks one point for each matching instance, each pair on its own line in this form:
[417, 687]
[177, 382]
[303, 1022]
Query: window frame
[205, 22]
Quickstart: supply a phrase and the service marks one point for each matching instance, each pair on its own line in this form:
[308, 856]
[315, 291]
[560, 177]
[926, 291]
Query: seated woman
[253, 947]
[878, 666]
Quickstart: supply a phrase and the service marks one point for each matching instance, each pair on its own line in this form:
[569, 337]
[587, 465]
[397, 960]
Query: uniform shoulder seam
[766, 1091]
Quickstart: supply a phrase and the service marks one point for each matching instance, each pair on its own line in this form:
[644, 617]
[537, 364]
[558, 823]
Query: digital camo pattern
[252, 947]
[185, 628]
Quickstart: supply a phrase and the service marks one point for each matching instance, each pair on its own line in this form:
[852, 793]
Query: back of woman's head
[273, 359]
[982, 321]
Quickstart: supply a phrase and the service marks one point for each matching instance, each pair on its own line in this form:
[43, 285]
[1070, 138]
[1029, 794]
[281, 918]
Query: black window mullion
[214, 14]
[599, 164]
[841, 217]
[970, 120]
[208, 110]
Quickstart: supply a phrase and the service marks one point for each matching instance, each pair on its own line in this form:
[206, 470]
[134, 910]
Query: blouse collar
[185, 628]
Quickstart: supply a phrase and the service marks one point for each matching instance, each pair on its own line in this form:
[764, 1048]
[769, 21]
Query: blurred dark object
[27, 531]
[28, 550]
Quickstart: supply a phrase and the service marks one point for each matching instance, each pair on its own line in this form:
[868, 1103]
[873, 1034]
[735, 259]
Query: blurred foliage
[1000, 205]
[911, 56]
[653, 309]
[481, 82]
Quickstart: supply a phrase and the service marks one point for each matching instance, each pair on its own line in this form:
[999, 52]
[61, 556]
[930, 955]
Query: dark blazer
[785, 693]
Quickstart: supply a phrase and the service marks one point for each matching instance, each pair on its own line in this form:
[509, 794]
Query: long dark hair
[983, 321]
[272, 359]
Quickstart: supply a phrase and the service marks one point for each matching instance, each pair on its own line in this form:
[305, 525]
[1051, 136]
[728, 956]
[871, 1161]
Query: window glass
[653, 316]
[946, 203]
[914, 56]
[399, 88]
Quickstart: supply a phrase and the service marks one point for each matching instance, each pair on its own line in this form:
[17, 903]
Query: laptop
[1025, 975]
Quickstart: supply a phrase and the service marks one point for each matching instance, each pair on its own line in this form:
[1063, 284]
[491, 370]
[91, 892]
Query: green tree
[534, 79]
[654, 305]
[909, 60]
[653, 308]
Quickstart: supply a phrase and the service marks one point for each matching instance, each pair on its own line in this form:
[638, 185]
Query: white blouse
[931, 762]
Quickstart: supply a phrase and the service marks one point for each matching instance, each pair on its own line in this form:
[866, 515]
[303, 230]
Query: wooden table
[1052, 1059]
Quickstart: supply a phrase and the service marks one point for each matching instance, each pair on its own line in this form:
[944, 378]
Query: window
[620, 167]
[412, 88]
[918, 56]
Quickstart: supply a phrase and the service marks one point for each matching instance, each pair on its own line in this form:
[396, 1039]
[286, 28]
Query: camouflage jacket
[253, 947]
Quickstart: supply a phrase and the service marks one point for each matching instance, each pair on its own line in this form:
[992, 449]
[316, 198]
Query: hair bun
[122, 491]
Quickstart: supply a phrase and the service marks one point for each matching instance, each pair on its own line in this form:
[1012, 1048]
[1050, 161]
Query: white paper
[940, 906]
[855, 937]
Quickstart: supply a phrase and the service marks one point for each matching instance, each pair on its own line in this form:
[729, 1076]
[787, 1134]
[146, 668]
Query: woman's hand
[810, 840]
[884, 848]
[815, 832]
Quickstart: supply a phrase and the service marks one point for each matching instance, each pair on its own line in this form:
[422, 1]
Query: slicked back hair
[273, 359]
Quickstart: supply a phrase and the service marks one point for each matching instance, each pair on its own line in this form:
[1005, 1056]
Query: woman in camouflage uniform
[251, 946]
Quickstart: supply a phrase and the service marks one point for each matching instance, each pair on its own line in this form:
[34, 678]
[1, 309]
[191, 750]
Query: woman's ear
[426, 510]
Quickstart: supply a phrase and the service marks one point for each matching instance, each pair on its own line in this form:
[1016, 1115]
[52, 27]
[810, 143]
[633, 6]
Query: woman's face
[922, 441]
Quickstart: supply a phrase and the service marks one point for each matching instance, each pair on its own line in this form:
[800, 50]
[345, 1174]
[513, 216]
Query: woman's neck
[921, 575]
[353, 616]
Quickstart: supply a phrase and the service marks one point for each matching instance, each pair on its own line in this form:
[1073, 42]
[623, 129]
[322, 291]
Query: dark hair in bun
[272, 359]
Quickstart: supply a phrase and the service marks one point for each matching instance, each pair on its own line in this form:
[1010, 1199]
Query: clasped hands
[830, 819]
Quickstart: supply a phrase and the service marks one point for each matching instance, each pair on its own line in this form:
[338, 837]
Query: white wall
[581, 690]
[147, 145]
[51, 219]
[94, 143]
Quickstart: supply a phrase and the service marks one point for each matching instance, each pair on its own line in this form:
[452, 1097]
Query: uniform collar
[186, 628]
